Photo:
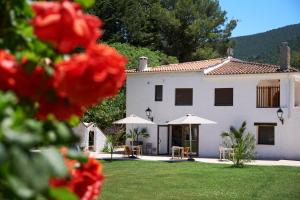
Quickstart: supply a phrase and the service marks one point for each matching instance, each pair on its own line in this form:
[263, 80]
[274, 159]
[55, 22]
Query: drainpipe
[291, 95]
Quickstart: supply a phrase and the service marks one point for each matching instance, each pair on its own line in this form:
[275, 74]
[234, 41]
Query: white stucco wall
[100, 139]
[83, 132]
[140, 95]
[297, 94]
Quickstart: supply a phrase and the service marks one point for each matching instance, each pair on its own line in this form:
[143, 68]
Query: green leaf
[20, 188]
[85, 3]
[3, 154]
[63, 133]
[77, 155]
[56, 162]
[36, 174]
[62, 194]
[22, 139]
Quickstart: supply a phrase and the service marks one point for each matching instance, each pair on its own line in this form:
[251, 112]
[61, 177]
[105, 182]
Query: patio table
[180, 150]
[137, 149]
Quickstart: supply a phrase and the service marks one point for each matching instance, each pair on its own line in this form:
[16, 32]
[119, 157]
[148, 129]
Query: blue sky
[257, 16]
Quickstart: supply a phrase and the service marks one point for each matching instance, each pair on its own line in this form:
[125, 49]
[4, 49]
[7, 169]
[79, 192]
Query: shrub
[243, 144]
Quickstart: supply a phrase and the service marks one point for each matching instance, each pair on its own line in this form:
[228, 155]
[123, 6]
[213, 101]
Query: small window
[266, 135]
[184, 97]
[158, 93]
[223, 96]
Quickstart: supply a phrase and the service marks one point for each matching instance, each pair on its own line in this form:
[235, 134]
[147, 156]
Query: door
[162, 138]
[181, 136]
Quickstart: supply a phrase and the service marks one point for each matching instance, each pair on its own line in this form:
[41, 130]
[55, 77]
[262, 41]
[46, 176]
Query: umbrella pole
[190, 137]
[132, 155]
[190, 153]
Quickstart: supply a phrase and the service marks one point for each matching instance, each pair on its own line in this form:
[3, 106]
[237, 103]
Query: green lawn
[146, 180]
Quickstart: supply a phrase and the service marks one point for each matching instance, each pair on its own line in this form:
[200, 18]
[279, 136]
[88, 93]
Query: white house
[227, 91]
[91, 137]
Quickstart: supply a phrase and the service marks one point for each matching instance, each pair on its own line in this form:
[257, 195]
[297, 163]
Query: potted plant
[135, 133]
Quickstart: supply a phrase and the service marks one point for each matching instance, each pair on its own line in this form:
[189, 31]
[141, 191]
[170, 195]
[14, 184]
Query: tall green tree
[192, 29]
[155, 58]
[126, 21]
[187, 29]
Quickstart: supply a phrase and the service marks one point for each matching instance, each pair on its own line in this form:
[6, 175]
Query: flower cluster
[85, 181]
[77, 83]
[64, 25]
[55, 82]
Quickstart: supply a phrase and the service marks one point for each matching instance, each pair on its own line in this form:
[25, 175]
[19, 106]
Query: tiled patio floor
[204, 160]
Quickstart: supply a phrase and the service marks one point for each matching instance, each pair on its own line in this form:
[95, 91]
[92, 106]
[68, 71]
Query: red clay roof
[243, 67]
[232, 66]
[187, 66]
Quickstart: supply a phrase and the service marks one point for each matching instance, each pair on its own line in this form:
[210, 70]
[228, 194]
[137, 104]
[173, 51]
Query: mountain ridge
[264, 47]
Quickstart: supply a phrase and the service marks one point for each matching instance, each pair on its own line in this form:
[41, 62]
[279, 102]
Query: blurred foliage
[264, 47]
[20, 134]
[24, 170]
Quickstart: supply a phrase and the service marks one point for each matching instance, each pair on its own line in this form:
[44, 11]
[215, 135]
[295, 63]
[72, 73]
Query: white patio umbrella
[133, 119]
[190, 119]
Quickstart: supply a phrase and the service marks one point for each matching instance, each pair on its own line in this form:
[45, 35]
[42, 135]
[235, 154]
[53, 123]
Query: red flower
[61, 108]
[8, 66]
[85, 181]
[25, 84]
[88, 78]
[32, 85]
[64, 25]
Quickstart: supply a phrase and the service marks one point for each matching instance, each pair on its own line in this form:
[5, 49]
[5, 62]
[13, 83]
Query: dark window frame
[264, 141]
[219, 102]
[158, 97]
[187, 102]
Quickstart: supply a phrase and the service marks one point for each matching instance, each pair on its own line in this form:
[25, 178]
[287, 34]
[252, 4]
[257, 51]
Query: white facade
[94, 142]
[140, 96]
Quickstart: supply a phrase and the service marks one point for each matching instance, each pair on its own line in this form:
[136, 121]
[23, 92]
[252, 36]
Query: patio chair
[148, 149]
[138, 150]
[221, 152]
[127, 151]
[225, 153]
[186, 151]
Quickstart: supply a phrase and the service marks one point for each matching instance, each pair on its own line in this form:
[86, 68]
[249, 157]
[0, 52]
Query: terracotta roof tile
[243, 67]
[187, 66]
[231, 66]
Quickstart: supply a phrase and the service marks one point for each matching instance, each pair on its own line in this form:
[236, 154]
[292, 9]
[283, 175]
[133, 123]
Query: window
[268, 93]
[158, 93]
[266, 135]
[223, 96]
[268, 96]
[184, 97]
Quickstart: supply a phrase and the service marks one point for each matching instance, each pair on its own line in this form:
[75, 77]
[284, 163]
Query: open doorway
[91, 140]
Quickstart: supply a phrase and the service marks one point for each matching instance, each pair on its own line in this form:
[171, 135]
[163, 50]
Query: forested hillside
[264, 47]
